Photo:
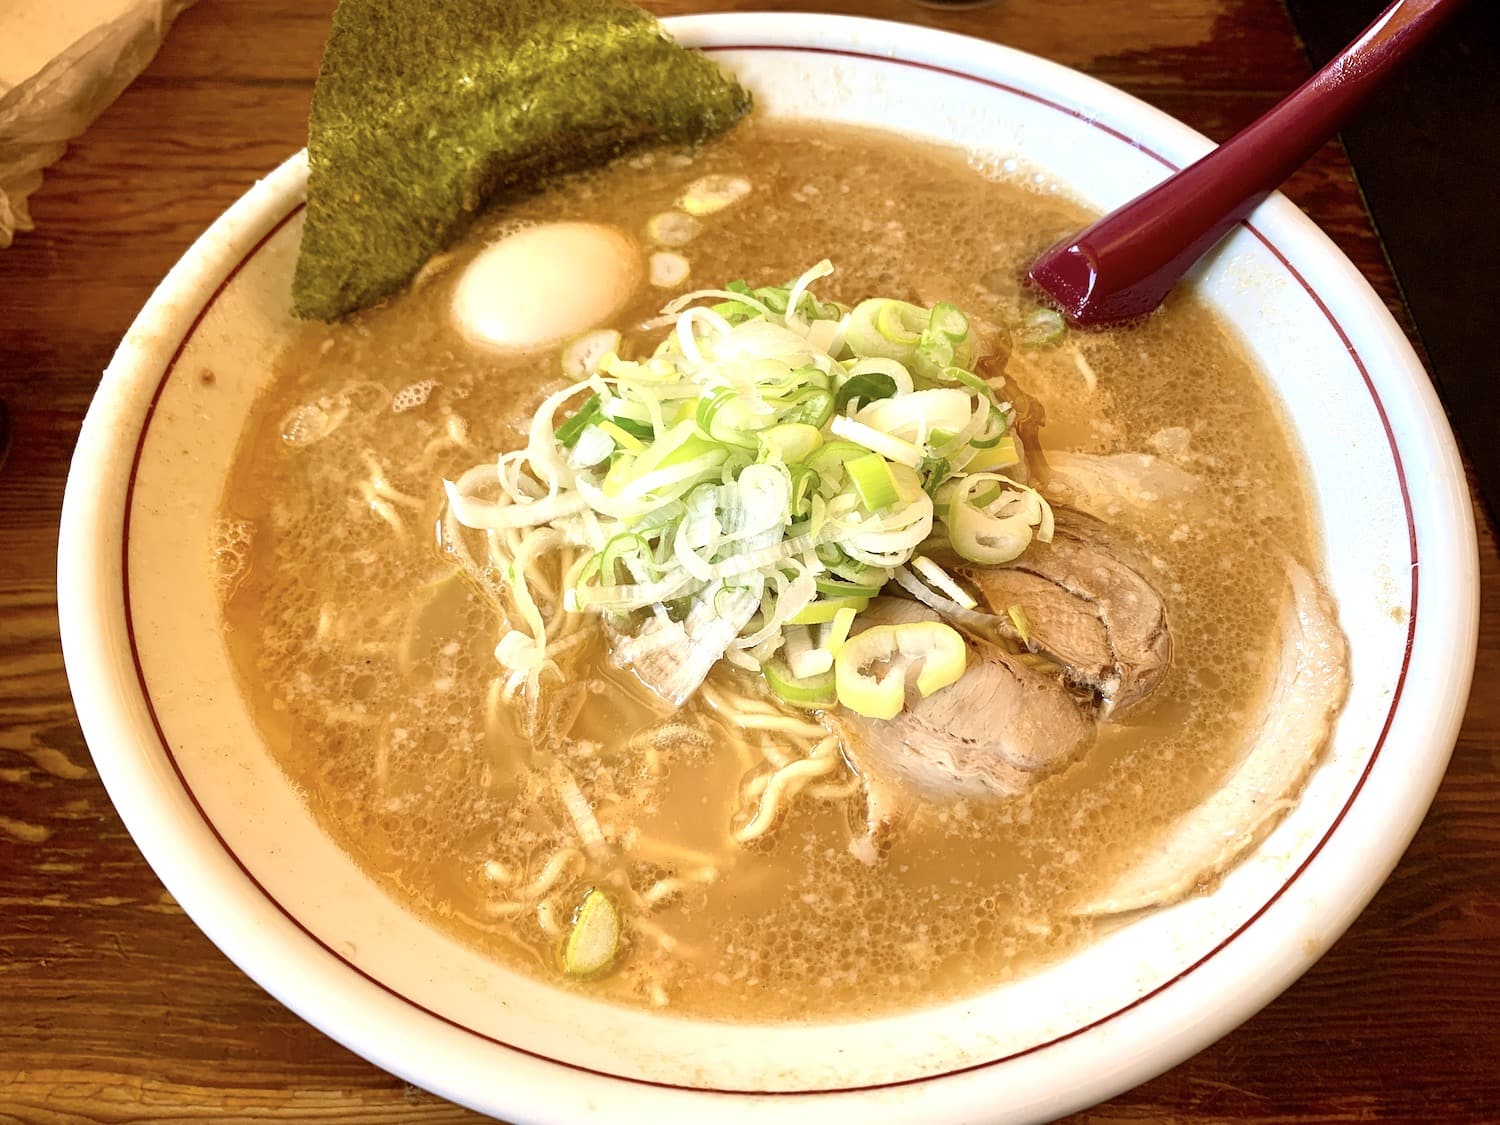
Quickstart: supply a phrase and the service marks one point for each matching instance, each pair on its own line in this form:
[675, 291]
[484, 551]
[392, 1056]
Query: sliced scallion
[668, 269]
[776, 460]
[583, 356]
[673, 229]
[800, 691]
[622, 437]
[1003, 454]
[826, 609]
[892, 448]
[790, 442]
[710, 194]
[811, 407]
[567, 433]
[594, 940]
[869, 387]
[873, 480]
[838, 630]
[938, 649]
[1045, 326]
[838, 588]
[942, 581]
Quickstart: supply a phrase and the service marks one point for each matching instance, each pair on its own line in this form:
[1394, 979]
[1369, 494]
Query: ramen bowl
[176, 745]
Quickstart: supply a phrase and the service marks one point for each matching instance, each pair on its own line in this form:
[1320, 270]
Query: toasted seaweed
[426, 110]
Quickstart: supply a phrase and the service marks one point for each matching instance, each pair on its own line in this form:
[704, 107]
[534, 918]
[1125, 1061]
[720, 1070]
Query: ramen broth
[369, 663]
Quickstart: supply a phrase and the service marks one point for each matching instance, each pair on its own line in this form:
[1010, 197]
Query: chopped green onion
[582, 357]
[775, 462]
[737, 311]
[622, 437]
[811, 407]
[713, 193]
[668, 269]
[886, 328]
[969, 379]
[838, 630]
[621, 548]
[774, 298]
[940, 580]
[800, 654]
[643, 430]
[1001, 455]
[949, 321]
[1045, 326]
[804, 487]
[873, 480]
[859, 573]
[800, 691]
[996, 426]
[940, 650]
[680, 444]
[985, 495]
[790, 442]
[595, 937]
[830, 459]
[824, 610]
[567, 433]
[934, 471]
[897, 322]
[619, 475]
[838, 588]
[892, 448]
[869, 387]
[725, 598]
[944, 341]
[996, 532]
[727, 416]
[831, 555]
[672, 229]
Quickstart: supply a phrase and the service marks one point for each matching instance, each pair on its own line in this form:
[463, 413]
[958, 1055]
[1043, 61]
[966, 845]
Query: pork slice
[1089, 607]
[1312, 681]
[672, 658]
[996, 732]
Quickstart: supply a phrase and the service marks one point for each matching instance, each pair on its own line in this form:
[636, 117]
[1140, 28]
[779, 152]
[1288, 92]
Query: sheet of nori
[425, 110]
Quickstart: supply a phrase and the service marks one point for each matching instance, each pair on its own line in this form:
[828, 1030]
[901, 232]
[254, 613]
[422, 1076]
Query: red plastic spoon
[1123, 266]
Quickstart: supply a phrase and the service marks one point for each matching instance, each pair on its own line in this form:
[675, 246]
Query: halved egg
[546, 284]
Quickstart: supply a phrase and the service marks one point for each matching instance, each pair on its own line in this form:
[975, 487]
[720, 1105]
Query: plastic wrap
[61, 65]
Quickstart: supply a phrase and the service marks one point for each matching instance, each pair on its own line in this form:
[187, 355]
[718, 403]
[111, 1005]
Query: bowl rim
[85, 523]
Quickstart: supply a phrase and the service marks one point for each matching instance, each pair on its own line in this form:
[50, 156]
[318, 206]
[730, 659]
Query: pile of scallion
[771, 466]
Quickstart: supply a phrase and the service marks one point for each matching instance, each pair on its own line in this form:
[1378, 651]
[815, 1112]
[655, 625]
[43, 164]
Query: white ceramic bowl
[221, 826]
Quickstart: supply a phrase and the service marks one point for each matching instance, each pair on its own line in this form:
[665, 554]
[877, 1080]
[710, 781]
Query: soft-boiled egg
[545, 284]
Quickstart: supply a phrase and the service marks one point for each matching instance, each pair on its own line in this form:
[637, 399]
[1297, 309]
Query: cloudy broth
[370, 666]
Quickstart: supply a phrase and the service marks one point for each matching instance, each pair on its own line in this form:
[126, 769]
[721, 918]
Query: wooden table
[113, 1007]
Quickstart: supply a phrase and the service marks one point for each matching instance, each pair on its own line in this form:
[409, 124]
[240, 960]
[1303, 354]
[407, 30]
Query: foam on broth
[370, 666]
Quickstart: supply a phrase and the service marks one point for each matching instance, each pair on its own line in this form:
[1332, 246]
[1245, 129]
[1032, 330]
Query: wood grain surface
[114, 1008]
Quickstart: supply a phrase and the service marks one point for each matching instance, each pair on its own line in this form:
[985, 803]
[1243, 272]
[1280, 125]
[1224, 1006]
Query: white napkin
[61, 64]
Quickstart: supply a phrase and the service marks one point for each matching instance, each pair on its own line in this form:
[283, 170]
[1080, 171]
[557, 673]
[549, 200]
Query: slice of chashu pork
[1007, 724]
[1101, 618]
[996, 732]
[1311, 683]
[1088, 607]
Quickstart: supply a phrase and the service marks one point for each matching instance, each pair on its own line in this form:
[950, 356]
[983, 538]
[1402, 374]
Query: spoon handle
[1123, 266]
